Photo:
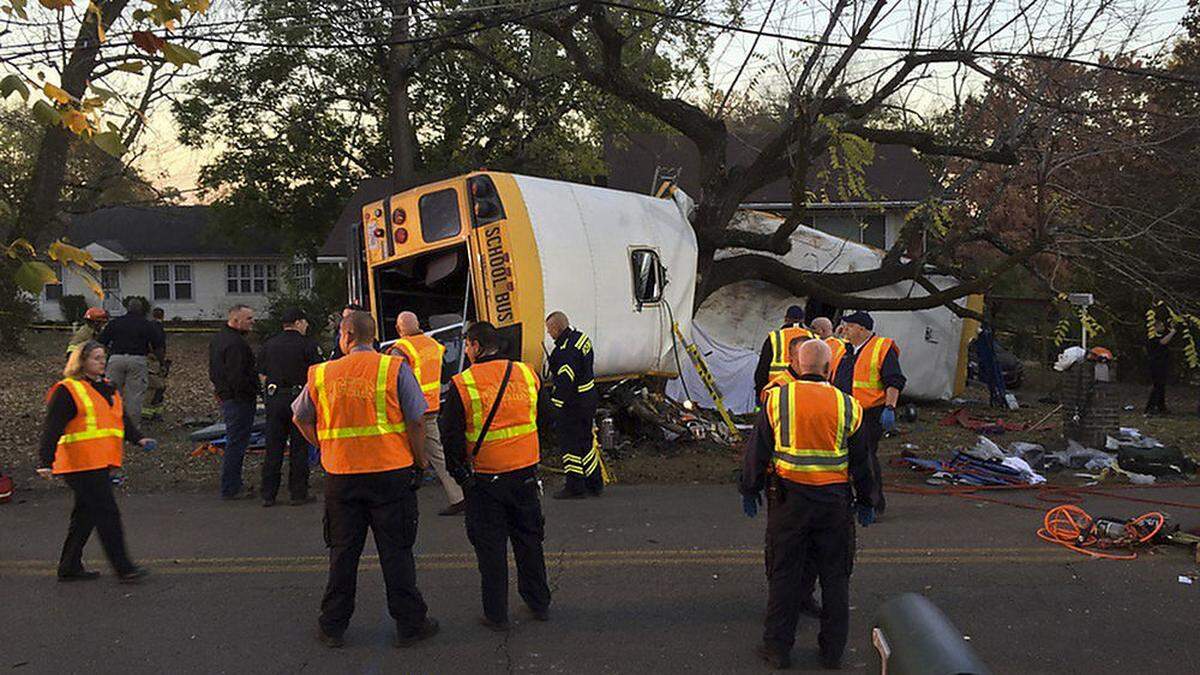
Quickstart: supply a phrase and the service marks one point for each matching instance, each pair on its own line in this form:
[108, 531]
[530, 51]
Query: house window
[440, 218]
[867, 229]
[647, 276]
[302, 276]
[55, 291]
[110, 280]
[171, 281]
[251, 279]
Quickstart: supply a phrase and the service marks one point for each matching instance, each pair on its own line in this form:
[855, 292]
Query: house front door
[110, 281]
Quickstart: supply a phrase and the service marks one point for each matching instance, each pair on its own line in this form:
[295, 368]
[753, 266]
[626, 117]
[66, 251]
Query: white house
[896, 181]
[175, 257]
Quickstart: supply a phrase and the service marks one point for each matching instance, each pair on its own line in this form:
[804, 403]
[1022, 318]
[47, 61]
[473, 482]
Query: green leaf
[103, 93]
[44, 113]
[33, 275]
[13, 83]
[179, 56]
[132, 66]
[110, 142]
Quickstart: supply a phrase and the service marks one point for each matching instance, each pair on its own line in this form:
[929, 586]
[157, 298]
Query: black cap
[794, 313]
[292, 315]
[861, 318]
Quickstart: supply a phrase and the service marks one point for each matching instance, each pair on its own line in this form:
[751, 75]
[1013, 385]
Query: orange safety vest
[837, 349]
[360, 425]
[424, 356]
[868, 387]
[813, 422]
[511, 442]
[93, 438]
[777, 381]
[780, 339]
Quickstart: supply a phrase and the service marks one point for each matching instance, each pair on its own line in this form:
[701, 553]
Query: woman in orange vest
[86, 424]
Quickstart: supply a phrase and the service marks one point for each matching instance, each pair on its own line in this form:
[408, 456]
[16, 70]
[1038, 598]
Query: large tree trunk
[41, 221]
[400, 130]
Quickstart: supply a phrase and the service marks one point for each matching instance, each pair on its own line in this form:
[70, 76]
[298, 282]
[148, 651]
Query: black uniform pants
[95, 508]
[1157, 403]
[385, 503]
[581, 459]
[502, 509]
[867, 439]
[800, 529]
[281, 433]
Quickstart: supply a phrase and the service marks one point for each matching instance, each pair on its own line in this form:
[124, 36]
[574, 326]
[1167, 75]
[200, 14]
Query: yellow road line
[293, 567]
[618, 555]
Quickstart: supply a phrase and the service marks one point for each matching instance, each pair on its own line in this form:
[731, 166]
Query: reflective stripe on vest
[813, 423]
[360, 421]
[779, 380]
[511, 441]
[868, 385]
[837, 349]
[475, 423]
[424, 355]
[780, 339]
[381, 427]
[92, 439]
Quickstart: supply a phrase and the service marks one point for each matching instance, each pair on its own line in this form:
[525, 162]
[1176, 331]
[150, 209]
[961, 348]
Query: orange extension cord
[1070, 526]
[1066, 524]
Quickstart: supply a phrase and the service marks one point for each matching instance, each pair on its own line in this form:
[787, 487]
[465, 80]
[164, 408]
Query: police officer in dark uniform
[283, 366]
[801, 452]
[489, 433]
[574, 396]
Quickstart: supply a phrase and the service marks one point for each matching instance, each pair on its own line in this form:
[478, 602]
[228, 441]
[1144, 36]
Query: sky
[748, 65]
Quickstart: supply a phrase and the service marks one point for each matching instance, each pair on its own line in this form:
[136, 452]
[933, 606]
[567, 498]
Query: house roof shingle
[165, 231]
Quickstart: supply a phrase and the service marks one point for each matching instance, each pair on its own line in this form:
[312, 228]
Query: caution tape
[709, 381]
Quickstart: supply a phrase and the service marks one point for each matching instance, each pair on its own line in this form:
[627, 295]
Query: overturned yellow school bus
[510, 249]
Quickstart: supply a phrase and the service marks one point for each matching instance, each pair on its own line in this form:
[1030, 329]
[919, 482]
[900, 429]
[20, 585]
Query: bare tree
[876, 72]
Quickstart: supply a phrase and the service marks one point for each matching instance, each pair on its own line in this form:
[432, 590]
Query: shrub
[72, 307]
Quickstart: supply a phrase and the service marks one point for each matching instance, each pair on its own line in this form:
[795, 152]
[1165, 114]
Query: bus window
[440, 217]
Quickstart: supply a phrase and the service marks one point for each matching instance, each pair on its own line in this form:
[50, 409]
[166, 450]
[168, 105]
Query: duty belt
[275, 389]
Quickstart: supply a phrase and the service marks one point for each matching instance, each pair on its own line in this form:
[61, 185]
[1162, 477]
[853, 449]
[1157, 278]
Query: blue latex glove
[866, 515]
[750, 504]
[888, 419]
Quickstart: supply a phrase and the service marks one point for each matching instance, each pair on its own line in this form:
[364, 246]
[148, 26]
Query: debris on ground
[641, 414]
[960, 417]
[965, 469]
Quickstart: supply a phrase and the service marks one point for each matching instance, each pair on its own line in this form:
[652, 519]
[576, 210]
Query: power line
[907, 51]
[950, 54]
[239, 23]
[749, 54]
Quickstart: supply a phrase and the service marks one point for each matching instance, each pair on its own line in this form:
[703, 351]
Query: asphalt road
[666, 579]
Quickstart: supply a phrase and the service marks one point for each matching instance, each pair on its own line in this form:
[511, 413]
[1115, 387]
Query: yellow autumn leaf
[18, 246]
[76, 121]
[93, 9]
[93, 285]
[56, 94]
[62, 252]
[200, 6]
[56, 4]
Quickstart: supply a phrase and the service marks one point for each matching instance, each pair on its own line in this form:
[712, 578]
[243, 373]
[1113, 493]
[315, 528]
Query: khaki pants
[128, 375]
[433, 450]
